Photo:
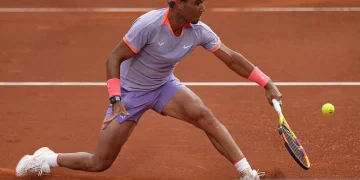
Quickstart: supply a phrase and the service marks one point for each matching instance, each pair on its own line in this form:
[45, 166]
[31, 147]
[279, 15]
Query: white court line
[186, 83]
[289, 9]
[124, 10]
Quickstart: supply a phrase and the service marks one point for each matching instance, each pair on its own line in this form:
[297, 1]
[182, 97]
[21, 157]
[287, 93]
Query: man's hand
[272, 92]
[117, 109]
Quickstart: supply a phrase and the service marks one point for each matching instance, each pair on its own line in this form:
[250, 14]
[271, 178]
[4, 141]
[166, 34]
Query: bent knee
[100, 165]
[205, 119]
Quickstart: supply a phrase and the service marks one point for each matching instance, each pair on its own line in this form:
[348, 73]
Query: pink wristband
[259, 77]
[113, 86]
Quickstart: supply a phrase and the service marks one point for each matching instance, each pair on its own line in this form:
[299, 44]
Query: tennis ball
[328, 109]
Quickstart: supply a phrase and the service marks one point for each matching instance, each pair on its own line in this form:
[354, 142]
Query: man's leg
[109, 144]
[108, 147]
[187, 106]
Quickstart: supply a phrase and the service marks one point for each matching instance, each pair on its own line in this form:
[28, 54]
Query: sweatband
[113, 86]
[242, 164]
[259, 77]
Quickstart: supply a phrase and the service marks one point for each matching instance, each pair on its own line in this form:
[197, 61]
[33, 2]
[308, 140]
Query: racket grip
[276, 105]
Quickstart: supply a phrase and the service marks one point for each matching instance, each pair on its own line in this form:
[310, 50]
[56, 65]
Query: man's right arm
[119, 54]
[133, 41]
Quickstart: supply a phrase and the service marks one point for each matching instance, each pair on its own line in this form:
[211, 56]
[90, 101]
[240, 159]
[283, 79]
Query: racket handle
[276, 105]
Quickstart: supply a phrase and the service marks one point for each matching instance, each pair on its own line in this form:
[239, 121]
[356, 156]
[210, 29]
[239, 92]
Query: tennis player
[140, 77]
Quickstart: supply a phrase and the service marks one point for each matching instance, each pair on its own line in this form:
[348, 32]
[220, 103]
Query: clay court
[55, 47]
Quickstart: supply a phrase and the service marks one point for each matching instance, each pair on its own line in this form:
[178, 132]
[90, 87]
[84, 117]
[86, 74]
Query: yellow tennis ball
[328, 109]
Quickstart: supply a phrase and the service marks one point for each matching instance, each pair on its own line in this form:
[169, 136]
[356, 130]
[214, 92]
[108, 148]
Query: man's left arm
[243, 67]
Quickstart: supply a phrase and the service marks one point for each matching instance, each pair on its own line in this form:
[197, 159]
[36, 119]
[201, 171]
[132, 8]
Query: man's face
[192, 9]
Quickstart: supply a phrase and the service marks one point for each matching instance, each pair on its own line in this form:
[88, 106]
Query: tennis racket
[290, 140]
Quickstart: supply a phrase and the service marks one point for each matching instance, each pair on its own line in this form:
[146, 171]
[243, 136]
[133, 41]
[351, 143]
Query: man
[140, 77]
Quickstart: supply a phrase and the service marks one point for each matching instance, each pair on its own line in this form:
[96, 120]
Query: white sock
[241, 165]
[51, 159]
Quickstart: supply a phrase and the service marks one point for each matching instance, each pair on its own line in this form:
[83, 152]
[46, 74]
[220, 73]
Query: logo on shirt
[185, 47]
[160, 44]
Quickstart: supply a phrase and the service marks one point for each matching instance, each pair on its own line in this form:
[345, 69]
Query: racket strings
[294, 146]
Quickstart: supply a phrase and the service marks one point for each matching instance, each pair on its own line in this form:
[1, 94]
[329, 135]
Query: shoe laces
[260, 174]
[36, 167]
[255, 176]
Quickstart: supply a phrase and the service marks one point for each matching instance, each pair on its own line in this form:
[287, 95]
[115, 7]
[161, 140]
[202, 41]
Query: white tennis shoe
[30, 165]
[255, 175]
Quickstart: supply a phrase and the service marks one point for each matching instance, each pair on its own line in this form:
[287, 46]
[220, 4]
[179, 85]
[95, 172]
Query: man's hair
[172, 3]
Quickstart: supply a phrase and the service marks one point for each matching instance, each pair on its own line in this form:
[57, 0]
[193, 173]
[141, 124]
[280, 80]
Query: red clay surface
[291, 46]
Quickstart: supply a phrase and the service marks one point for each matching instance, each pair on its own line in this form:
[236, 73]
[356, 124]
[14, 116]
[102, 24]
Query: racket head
[293, 145]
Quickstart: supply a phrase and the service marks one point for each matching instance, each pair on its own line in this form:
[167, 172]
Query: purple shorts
[138, 102]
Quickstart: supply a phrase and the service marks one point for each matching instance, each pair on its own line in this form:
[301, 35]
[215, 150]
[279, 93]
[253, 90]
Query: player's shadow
[274, 174]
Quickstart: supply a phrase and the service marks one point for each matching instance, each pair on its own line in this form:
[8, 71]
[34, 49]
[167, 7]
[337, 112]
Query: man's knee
[102, 167]
[98, 165]
[205, 119]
